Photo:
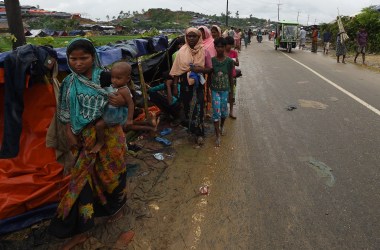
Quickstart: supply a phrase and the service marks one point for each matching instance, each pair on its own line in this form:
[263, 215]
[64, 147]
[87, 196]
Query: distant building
[203, 21]
[28, 10]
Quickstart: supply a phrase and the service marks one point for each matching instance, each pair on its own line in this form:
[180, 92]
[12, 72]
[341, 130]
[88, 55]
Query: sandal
[163, 141]
[166, 131]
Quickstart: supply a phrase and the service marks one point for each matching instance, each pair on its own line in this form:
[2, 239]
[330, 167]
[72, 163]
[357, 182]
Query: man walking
[326, 42]
[314, 37]
[361, 40]
[302, 38]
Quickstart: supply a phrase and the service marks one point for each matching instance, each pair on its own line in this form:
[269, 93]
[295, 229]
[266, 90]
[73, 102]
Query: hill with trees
[152, 18]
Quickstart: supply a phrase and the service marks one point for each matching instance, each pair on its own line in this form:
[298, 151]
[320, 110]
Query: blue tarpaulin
[110, 53]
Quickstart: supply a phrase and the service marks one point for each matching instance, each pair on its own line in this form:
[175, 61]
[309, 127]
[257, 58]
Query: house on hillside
[50, 32]
[77, 33]
[203, 21]
[62, 33]
[120, 29]
[87, 26]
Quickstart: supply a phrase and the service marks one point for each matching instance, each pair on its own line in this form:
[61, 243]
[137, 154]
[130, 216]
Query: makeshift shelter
[77, 33]
[27, 33]
[31, 179]
[50, 32]
[37, 33]
[62, 33]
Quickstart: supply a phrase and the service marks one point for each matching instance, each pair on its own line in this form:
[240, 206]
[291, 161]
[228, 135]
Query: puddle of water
[312, 104]
[321, 169]
[333, 99]
[302, 82]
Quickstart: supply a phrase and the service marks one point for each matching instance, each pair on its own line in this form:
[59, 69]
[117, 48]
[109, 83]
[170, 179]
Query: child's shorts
[115, 115]
[219, 105]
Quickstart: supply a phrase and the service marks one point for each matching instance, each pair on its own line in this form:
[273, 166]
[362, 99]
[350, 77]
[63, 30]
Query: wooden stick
[143, 88]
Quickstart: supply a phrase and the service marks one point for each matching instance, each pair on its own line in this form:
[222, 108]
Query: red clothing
[233, 54]
[315, 35]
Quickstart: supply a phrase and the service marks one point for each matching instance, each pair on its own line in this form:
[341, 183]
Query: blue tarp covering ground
[27, 219]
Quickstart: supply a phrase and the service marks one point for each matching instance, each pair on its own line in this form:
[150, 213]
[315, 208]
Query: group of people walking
[205, 70]
[361, 41]
[96, 105]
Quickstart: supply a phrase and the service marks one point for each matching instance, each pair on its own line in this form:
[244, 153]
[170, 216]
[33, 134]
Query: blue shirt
[326, 37]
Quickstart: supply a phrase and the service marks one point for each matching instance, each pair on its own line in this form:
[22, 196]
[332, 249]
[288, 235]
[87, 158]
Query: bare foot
[76, 240]
[155, 121]
[97, 147]
[124, 239]
[217, 142]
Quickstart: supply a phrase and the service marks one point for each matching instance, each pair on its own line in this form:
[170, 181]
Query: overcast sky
[315, 11]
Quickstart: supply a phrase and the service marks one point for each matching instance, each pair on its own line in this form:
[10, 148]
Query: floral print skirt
[97, 184]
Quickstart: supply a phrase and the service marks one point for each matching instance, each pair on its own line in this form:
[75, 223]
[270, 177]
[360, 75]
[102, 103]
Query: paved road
[312, 174]
[302, 179]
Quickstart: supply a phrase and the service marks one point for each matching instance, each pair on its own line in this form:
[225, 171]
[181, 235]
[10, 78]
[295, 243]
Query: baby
[120, 77]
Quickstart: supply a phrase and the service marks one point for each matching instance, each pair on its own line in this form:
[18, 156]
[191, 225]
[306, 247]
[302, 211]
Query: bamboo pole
[143, 87]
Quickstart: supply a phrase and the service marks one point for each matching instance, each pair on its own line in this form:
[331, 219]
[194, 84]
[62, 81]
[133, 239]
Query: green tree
[369, 18]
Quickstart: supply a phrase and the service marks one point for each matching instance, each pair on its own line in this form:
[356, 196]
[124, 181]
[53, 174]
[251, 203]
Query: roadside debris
[291, 107]
[204, 190]
[166, 131]
[163, 141]
[159, 156]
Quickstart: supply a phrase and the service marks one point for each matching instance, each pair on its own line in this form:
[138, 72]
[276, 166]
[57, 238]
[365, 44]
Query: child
[120, 77]
[221, 86]
[234, 56]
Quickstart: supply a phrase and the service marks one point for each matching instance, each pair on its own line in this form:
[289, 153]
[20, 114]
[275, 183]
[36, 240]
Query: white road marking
[365, 104]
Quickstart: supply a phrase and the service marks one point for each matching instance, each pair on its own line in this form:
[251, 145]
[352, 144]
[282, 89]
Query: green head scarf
[81, 100]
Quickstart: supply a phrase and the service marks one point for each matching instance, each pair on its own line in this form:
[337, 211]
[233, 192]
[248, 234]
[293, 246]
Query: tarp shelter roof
[121, 50]
[50, 32]
[62, 33]
[77, 33]
[37, 33]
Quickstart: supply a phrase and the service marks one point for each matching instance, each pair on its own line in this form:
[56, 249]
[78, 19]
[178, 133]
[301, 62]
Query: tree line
[369, 19]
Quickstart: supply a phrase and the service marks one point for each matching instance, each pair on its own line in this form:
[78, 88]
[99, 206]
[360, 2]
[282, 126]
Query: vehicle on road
[259, 36]
[286, 35]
